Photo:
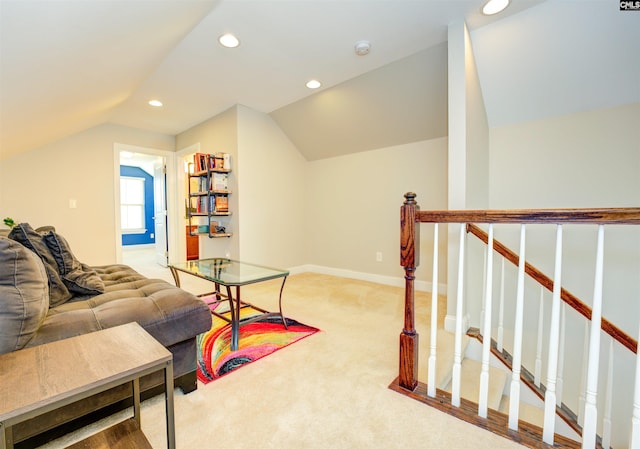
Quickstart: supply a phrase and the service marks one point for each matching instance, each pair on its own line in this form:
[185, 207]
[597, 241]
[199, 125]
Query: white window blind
[132, 204]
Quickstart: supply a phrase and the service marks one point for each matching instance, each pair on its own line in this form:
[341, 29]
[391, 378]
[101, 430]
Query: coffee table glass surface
[229, 272]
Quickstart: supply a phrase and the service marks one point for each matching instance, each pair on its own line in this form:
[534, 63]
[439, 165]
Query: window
[132, 205]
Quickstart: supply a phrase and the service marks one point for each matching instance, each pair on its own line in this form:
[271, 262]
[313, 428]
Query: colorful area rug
[257, 340]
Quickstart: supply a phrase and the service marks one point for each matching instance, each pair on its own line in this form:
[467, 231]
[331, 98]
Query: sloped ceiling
[558, 58]
[402, 102]
[68, 65]
[65, 65]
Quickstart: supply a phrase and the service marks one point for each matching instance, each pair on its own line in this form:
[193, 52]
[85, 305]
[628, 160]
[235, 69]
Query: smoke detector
[362, 48]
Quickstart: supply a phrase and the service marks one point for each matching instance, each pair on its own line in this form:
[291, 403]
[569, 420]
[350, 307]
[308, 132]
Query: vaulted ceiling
[67, 65]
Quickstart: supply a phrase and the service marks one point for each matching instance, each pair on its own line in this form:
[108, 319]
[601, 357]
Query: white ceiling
[558, 58]
[68, 65]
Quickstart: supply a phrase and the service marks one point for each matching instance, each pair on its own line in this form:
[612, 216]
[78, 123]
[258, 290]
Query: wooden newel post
[409, 259]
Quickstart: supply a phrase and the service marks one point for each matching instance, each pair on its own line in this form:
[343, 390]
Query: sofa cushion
[25, 234]
[170, 314]
[77, 277]
[24, 294]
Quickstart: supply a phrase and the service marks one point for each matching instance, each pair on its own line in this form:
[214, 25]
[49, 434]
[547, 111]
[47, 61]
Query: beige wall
[272, 180]
[590, 159]
[334, 213]
[37, 186]
[354, 207]
[218, 134]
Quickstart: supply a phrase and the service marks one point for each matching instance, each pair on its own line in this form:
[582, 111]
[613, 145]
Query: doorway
[141, 208]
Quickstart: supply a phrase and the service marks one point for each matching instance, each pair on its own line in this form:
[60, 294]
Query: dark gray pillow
[78, 277]
[24, 295]
[27, 236]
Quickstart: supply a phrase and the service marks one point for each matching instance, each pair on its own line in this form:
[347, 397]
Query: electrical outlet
[379, 256]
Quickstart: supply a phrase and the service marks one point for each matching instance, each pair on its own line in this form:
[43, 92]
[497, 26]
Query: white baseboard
[139, 246]
[377, 278]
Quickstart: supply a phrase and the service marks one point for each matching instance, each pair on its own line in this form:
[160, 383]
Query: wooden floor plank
[528, 435]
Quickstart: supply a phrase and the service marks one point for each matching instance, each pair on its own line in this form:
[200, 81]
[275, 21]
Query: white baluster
[559, 379]
[483, 398]
[501, 311]
[514, 395]
[583, 375]
[484, 286]
[606, 422]
[548, 429]
[590, 409]
[634, 440]
[538, 368]
[431, 381]
[457, 351]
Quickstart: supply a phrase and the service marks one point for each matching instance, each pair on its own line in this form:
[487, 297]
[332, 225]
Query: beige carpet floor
[327, 391]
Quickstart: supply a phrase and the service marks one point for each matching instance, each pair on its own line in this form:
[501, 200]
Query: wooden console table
[43, 378]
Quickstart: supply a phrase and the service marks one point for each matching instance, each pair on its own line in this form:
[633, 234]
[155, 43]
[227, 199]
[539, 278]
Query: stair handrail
[569, 298]
[410, 215]
[616, 215]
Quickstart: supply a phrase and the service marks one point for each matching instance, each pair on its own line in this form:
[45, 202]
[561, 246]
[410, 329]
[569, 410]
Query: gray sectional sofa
[46, 294]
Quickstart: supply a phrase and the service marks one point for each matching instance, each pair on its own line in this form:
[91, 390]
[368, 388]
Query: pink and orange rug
[257, 340]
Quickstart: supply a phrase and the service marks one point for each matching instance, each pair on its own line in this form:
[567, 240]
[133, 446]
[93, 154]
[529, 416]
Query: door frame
[170, 188]
[181, 192]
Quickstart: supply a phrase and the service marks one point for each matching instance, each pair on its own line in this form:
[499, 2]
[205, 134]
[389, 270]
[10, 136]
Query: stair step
[470, 383]
[529, 413]
[444, 358]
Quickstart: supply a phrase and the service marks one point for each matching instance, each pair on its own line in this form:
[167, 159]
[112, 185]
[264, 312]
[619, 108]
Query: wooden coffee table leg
[168, 395]
[136, 400]
[6, 437]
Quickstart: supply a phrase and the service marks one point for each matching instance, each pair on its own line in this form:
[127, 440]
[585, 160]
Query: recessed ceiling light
[314, 84]
[494, 6]
[228, 40]
[155, 103]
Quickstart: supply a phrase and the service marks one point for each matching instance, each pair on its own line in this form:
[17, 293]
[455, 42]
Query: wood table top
[40, 377]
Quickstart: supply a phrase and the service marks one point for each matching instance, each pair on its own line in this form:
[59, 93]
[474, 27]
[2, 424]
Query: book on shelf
[221, 203]
[218, 160]
[194, 185]
[194, 205]
[220, 181]
[204, 161]
[200, 162]
[226, 158]
[214, 204]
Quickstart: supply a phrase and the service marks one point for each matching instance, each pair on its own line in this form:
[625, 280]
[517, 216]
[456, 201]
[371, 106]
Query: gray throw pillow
[78, 277]
[24, 295]
[27, 236]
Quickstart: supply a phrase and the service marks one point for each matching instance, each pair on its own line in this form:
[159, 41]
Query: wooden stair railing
[407, 381]
[570, 299]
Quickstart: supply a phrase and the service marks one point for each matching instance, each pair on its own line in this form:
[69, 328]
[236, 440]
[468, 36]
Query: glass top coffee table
[230, 274]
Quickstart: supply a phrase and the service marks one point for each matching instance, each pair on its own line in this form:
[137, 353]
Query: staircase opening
[528, 359]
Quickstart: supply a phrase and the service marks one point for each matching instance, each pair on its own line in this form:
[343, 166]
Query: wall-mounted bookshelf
[208, 200]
